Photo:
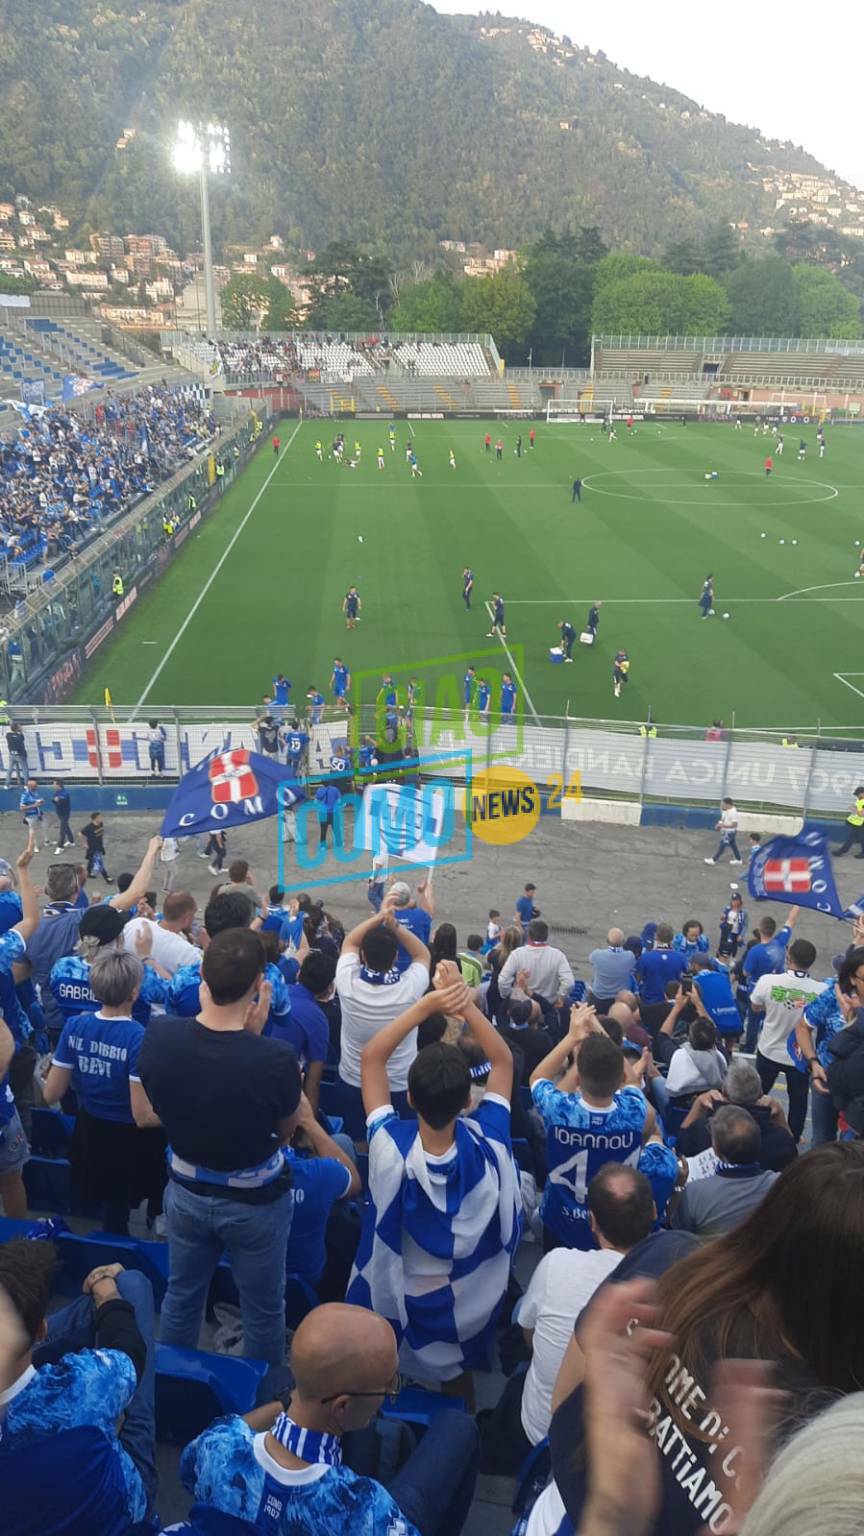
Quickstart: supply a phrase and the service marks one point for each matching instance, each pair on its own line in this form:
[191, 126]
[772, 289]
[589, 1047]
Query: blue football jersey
[580, 1140]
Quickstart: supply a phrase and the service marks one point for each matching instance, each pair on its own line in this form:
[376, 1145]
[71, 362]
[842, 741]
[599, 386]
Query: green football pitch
[259, 588]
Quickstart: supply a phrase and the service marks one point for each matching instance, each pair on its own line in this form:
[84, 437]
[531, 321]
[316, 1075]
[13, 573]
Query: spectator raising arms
[443, 1219]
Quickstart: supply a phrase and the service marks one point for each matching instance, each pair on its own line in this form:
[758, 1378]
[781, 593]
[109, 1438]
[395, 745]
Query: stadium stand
[435, 358]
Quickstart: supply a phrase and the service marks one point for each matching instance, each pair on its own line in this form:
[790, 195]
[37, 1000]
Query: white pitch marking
[514, 669]
[212, 577]
[844, 678]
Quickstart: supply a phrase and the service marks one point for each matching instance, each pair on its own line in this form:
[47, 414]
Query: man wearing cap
[414, 913]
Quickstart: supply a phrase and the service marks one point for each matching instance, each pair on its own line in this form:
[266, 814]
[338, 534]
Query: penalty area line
[211, 578]
[514, 669]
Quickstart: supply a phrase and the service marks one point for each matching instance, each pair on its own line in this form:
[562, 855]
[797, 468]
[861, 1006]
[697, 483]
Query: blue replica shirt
[468, 682]
[12, 951]
[81, 1487]
[29, 804]
[291, 929]
[305, 1027]
[655, 968]
[91, 1388]
[183, 995]
[690, 947]
[508, 698]
[826, 1019]
[579, 1140]
[718, 1000]
[340, 680]
[328, 796]
[70, 988]
[767, 959]
[316, 1184]
[420, 924]
[295, 745]
[483, 696]
[230, 1469]
[11, 910]
[660, 1166]
[315, 698]
[102, 1055]
[281, 691]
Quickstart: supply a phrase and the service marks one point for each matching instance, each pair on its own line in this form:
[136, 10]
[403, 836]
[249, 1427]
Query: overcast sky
[793, 72]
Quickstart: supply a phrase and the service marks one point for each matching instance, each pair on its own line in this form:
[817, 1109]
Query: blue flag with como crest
[798, 869]
[229, 789]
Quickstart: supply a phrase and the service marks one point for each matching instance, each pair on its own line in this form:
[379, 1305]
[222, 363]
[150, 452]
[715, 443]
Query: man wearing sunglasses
[344, 1363]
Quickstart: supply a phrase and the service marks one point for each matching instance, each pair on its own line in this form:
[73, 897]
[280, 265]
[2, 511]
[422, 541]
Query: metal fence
[813, 774]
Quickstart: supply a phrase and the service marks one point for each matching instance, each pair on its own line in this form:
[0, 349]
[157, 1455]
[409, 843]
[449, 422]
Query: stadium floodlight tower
[204, 149]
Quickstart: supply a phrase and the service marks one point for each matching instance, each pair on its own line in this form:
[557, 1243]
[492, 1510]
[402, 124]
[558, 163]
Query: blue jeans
[435, 1487]
[823, 1118]
[255, 1237]
[728, 840]
[72, 1329]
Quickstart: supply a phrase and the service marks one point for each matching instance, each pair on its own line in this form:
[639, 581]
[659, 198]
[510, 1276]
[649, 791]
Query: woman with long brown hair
[783, 1287]
[510, 939]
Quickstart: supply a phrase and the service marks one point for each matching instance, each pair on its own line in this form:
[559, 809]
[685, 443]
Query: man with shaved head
[290, 1475]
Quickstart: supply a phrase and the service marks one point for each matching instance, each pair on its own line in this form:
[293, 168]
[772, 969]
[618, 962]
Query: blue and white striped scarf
[438, 1238]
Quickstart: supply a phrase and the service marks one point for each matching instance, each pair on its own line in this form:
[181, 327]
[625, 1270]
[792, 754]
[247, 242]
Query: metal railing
[820, 344]
[810, 771]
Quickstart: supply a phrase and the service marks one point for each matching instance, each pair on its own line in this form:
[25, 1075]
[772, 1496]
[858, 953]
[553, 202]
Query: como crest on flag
[232, 778]
[798, 868]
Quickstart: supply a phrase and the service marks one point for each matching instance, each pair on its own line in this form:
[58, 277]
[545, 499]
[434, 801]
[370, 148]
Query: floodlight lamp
[187, 152]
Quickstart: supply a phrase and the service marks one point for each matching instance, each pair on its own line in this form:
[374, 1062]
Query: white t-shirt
[547, 1513]
[562, 1284]
[685, 1076]
[366, 1008]
[170, 950]
[729, 818]
[784, 998]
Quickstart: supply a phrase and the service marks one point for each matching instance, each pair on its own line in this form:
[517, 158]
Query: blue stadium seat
[81, 1254]
[300, 1298]
[51, 1132]
[10, 1229]
[48, 1182]
[193, 1388]
[415, 1405]
[522, 1154]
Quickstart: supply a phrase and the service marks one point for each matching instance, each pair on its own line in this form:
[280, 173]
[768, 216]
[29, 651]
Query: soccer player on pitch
[706, 597]
[452, 459]
[498, 625]
[340, 682]
[467, 586]
[391, 433]
[620, 672]
[508, 696]
[351, 606]
[380, 458]
[568, 636]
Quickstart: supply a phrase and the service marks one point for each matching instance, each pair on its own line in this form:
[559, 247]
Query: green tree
[10, 284]
[433, 305]
[244, 301]
[704, 306]
[343, 268]
[282, 312]
[562, 287]
[721, 250]
[764, 298]
[345, 312]
[660, 304]
[683, 257]
[825, 307]
[502, 304]
[618, 265]
[590, 245]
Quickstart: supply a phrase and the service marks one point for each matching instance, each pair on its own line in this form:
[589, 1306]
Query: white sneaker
[570, 659]
[56, 851]
[736, 861]
[211, 869]
[202, 855]
[708, 861]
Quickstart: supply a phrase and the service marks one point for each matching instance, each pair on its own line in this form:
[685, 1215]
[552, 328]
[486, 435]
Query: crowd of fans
[389, 1119]
[63, 474]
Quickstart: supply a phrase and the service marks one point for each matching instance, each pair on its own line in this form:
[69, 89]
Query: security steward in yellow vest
[854, 827]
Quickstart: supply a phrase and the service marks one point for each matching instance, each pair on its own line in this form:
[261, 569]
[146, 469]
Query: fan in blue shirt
[306, 1027]
[656, 967]
[281, 690]
[100, 928]
[102, 1055]
[296, 743]
[770, 954]
[11, 911]
[691, 940]
[340, 680]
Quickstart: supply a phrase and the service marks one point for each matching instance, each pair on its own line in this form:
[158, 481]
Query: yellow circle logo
[504, 805]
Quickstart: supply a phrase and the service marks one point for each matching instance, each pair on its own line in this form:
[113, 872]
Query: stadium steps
[514, 396]
[445, 397]
[387, 397]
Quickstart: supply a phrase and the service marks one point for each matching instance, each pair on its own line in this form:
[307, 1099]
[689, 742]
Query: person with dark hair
[697, 1064]
[524, 1031]
[779, 1287]
[549, 973]
[228, 1100]
[442, 947]
[591, 1118]
[713, 1205]
[854, 823]
[118, 1149]
[84, 1371]
[240, 882]
[307, 1027]
[93, 838]
[167, 942]
[830, 1013]
[781, 998]
[443, 1219]
[621, 1213]
[372, 992]
[101, 930]
[227, 909]
[63, 806]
